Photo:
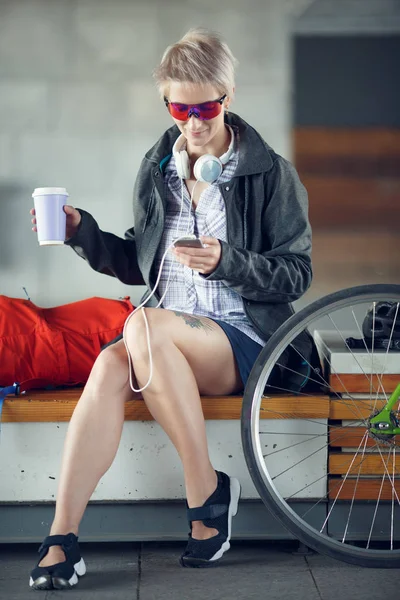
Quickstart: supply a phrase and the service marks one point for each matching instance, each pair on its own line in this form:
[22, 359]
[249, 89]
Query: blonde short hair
[201, 56]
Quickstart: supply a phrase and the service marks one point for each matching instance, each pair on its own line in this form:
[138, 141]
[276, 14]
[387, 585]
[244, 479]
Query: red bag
[58, 346]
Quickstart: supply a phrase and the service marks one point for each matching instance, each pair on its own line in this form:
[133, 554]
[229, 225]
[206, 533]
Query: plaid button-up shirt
[188, 291]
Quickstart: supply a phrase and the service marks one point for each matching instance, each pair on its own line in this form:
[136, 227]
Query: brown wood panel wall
[356, 143]
[352, 176]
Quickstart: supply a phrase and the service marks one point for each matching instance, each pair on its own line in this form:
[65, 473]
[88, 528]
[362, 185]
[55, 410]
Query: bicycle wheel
[320, 462]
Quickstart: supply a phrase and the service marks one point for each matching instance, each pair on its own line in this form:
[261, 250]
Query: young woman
[211, 175]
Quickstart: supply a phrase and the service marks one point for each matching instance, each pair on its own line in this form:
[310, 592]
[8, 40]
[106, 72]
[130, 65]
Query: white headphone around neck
[207, 168]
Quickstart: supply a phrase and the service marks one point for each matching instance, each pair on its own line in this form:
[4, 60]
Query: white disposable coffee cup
[51, 220]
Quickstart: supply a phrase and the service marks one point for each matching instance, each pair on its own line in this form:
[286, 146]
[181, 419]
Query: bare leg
[190, 356]
[185, 351]
[99, 415]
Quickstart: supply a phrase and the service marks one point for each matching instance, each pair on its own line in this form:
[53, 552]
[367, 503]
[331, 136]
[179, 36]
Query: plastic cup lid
[44, 191]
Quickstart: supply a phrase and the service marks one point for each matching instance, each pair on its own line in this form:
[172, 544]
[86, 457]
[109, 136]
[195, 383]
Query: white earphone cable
[141, 306]
[177, 238]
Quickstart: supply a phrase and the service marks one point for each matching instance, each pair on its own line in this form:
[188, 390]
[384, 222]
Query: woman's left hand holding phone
[203, 260]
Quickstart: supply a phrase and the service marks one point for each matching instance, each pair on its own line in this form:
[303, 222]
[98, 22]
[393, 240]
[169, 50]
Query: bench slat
[345, 383]
[370, 464]
[353, 409]
[58, 405]
[367, 489]
[348, 437]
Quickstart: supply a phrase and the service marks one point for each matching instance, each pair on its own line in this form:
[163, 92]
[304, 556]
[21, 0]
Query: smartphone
[189, 241]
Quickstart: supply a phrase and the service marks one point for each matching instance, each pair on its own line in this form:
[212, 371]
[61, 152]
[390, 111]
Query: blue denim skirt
[245, 350]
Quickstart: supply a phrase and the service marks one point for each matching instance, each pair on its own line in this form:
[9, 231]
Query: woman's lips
[196, 133]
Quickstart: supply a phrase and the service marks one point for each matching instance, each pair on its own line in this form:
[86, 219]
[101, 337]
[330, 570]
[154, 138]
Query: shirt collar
[255, 156]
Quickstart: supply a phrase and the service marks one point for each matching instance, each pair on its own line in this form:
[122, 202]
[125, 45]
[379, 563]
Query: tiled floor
[249, 571]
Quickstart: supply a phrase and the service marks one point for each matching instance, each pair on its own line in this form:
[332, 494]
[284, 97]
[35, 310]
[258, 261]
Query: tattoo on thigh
[194, 322]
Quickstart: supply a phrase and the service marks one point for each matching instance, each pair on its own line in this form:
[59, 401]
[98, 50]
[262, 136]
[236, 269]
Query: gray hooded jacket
[267, 256]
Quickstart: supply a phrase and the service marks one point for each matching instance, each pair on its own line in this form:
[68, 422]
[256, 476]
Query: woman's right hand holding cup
[73, 219]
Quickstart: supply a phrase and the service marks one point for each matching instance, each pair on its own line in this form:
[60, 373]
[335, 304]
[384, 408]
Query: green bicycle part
[382, 423]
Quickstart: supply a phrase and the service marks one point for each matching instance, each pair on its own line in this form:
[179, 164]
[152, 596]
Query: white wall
[150, 464]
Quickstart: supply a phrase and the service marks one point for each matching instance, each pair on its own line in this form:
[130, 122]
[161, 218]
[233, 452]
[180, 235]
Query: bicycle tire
[264, 364]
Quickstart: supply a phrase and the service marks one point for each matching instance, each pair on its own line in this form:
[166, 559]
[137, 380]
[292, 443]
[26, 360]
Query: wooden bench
[144, 450]
[58, 405]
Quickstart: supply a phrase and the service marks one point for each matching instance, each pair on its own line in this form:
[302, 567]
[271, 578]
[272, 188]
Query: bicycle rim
[312, 456]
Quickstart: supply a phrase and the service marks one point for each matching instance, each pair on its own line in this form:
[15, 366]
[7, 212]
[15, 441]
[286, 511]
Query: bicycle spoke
[287, 433]
[319, 382]
[331, 426]
[343, 482]
[325, 496]
[330, 364]
[293, 445]
[275, 387]
[301, 374]
[299, 463]
[274, 412]
[339, 484]
[368, 352]
[377, 504]
[373, 344]
[354, 493]
[354, 356]
[390, 340]
[313, 437]
[392, 515]
[388, 475]
[338, 376]
[339, 397]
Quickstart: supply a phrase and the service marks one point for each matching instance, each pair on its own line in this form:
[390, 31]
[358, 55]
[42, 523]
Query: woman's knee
[137, 337]
[111, 367]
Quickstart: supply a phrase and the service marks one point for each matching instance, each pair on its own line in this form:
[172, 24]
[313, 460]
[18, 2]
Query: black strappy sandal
[62, 575]
[216, 512]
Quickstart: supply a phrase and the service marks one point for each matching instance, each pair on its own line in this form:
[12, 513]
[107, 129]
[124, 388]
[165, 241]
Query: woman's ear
[228, 100]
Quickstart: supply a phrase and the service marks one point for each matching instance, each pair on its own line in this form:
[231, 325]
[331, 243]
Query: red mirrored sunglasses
[203, 111]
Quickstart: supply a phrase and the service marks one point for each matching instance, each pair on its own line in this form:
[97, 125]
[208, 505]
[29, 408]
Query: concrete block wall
[349, 17]
[78, 109]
